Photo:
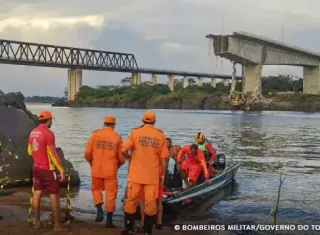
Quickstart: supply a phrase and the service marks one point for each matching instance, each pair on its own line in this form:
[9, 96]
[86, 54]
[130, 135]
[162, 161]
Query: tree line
[41, 99]
[281, 83]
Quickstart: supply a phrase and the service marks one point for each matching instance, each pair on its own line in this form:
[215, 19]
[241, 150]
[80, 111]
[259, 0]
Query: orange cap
[149, 116]
[110, 119]
[45, 115]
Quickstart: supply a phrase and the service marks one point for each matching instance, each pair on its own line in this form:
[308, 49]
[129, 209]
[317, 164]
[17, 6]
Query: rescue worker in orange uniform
[159, 204]
[148, 147]
[208, 150]
[42, 147]
[193, 165]
[103, 152]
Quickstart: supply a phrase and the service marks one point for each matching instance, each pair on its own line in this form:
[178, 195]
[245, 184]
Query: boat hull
[201, 191]
[197, 194]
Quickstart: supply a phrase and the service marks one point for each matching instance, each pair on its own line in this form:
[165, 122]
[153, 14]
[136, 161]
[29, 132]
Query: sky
[162, 34]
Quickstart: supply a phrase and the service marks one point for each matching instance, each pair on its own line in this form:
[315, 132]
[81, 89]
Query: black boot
[128, 224]
[99, 217]
[149, 221]
[109, 223]
[159, 226]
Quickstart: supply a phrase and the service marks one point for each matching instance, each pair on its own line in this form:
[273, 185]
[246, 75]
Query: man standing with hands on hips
[148, 148]
[42, 147]
[103, 152]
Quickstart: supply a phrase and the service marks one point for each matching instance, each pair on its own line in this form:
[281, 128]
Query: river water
[264, 143]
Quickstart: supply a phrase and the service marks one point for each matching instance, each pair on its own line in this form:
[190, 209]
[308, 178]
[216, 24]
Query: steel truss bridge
[44, 55]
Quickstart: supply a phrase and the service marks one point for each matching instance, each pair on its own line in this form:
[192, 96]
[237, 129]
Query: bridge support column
[213, 82]
[226, 82]
[185, 82]
[170, 82]
[154, 79]
[251, 78]
[200, 81]
[134, 79]
[74, 83]
[139, 79]
[311, 80]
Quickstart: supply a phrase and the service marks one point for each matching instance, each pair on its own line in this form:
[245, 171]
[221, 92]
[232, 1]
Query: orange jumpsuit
[193, 164]
[103, 152]
[148, 147]
[160, 192]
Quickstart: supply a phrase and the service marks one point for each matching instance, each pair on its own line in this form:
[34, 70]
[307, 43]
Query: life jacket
[203, 148]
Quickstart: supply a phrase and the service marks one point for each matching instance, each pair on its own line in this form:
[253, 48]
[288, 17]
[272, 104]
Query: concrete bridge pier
[213, 82]
[251, 78]
[74, 83]
[185, 82]
[154, 79]
[226, 82]
[311, 80]
[170, 82]
[135, 79]
[200, 81]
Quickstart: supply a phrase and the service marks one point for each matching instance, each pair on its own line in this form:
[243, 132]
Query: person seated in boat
[208, 150]
[174, 151]
[192, 166]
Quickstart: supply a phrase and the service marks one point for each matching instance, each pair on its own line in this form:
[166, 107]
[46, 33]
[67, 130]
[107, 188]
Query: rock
[3, 101]
[216, 102]
[68, 167]
[16, 100]
[16, 123]
[15, 126]
[60, 103]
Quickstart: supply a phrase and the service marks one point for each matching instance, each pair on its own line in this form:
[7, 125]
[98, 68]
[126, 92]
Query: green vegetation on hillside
[143, 92]
[41, 99]
[282, 93]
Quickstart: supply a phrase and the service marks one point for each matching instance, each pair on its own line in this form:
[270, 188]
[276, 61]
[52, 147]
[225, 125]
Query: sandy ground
[14, 212]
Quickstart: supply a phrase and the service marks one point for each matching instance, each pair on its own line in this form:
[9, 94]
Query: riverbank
[14, 210]
[202, 101]
[42, 99]
[280, 93]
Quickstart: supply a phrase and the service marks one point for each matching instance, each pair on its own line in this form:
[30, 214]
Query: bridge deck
[183, 73]
[275, 43]
[246, 48]
[265, 40]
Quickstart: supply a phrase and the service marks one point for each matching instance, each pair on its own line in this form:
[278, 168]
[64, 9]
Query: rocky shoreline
[281, 102]
[16, 123]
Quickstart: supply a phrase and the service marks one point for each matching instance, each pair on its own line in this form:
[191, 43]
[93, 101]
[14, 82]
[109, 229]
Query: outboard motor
[220, 163]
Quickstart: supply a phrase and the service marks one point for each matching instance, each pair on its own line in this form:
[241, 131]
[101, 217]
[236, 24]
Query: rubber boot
[109, 223]
[99, 217]
[159, 226]
[128, 224]
[149, 221]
